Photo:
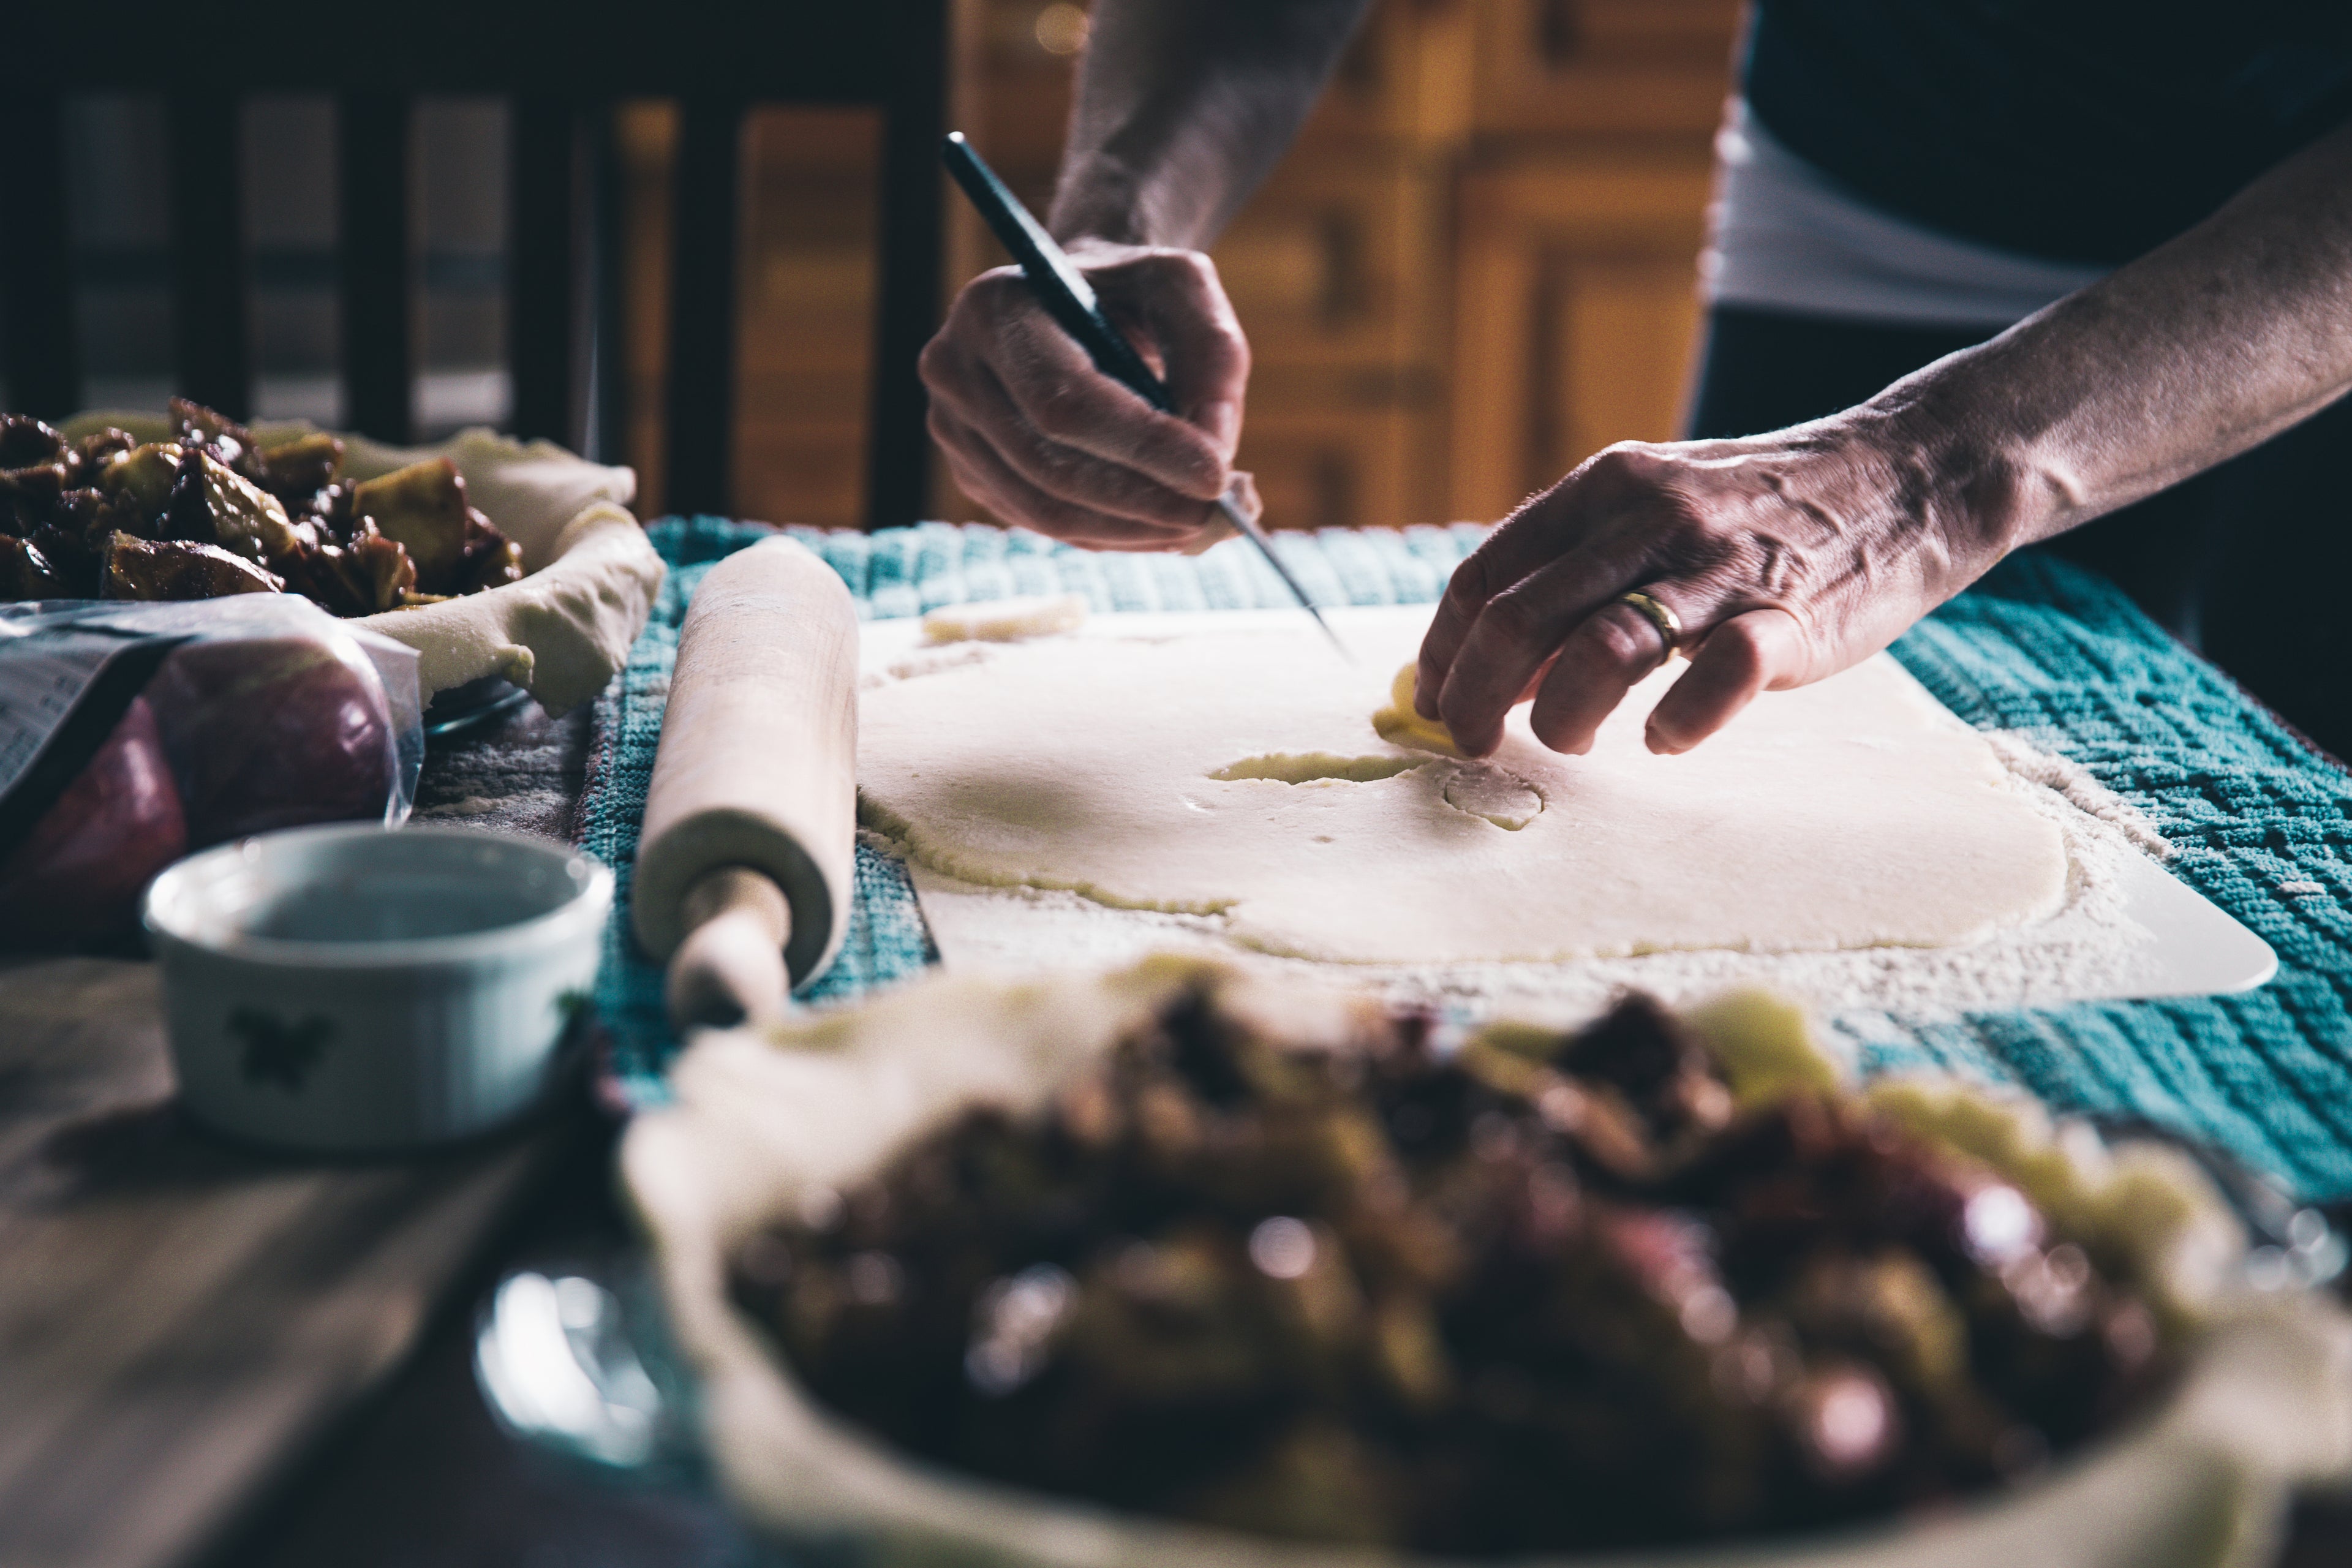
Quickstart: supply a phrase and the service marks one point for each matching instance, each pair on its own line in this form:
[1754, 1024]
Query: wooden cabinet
[1476, 268]
[1601, 70]
[803, 372]
[1575, 316]
[1579, 212]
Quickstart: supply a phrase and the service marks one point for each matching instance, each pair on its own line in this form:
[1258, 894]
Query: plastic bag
[132, 734]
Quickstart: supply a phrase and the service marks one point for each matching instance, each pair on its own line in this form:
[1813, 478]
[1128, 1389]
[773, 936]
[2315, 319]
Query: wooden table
[180, 1318]
[217, 1359]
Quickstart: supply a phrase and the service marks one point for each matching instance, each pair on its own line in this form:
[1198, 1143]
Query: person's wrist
[1962, 479]
[1099, 200]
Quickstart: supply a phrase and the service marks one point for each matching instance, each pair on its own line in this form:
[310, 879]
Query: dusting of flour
[2083, 949]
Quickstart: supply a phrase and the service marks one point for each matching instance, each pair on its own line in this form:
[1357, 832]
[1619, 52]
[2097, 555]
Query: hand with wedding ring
[1771, 562]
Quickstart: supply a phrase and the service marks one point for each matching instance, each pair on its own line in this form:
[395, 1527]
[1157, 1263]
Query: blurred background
[1476, 267]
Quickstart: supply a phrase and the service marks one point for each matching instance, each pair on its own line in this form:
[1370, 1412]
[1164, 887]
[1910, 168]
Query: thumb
[1754, 652]
[1217, 530]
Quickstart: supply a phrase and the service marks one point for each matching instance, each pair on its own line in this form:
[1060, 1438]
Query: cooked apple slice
[211, 504]
[178, 569]
[422, 508]
[303, 466]
[26, 574]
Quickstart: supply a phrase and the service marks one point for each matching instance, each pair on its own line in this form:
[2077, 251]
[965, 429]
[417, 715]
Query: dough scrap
[564, 630]
[1006, 620]
[559, 633]
[1234, 773]
[1315, 767]
[1401, 724]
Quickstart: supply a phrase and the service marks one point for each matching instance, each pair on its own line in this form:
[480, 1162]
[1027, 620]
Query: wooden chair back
[561, 66]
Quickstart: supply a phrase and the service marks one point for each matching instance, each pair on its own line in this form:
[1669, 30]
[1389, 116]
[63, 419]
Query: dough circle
[1235, 771]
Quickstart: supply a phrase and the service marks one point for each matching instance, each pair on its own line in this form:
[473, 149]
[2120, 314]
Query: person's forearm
[1183, 108]
[2185, 357]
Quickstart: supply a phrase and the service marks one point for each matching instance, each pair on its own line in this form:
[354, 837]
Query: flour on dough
[1236, 773]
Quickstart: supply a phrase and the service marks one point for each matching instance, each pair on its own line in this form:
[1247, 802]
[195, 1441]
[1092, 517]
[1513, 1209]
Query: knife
[1070, 300]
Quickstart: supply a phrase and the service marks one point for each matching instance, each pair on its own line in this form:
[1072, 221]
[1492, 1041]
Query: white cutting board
[2173, 942]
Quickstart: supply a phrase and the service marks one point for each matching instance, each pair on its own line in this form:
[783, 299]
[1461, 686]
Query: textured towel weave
[2039, 646]
[905, 571]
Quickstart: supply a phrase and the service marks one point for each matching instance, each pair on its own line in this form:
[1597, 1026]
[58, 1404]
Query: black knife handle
[1061, 287]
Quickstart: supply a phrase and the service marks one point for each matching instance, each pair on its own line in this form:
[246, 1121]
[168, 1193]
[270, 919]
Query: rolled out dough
[1236, 772]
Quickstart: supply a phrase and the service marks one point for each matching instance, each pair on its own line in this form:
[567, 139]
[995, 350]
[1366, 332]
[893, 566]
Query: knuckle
[1555, 721]
[1237, 347]
[1476, 579]
[1181, 269]
[1626, 464]
[1059, 410]
[984, 301]
[1514, 617]
[1702, 549]
[1610, 641]
[1198, 277]
[1466, 589]
[1525, 515]
[1739, 651]
[935, 364]
[1677, 507]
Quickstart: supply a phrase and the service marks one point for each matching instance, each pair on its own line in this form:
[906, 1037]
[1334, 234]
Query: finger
[1480, 576]
[1746, 654]
[983, 404]
[1218, 529]
[1541, 531]
[1514, 633]
[1058, 389]
[964, 386]
[1201, 343]
[984, 476]
[1610, 651]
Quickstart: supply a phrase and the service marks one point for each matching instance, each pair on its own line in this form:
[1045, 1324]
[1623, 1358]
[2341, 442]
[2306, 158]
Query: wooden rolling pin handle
[730, 970]
[754, 784]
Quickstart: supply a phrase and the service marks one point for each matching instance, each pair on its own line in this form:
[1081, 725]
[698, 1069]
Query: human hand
[1033, 431]
[1785, 557]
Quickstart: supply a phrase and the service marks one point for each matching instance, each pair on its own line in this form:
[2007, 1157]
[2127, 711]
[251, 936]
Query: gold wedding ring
[1669, 624]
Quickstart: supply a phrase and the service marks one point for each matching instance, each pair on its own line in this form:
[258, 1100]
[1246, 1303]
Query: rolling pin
[742, 880]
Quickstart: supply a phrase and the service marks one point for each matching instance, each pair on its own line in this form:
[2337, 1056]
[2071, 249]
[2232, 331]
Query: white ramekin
[358, 988]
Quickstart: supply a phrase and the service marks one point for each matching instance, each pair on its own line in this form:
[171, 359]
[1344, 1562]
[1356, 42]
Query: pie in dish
[490, 558]
[1170, 1267]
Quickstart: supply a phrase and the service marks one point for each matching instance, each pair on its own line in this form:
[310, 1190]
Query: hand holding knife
[1070, 300]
